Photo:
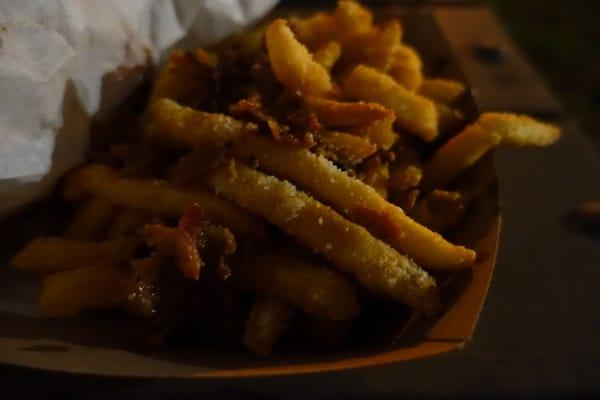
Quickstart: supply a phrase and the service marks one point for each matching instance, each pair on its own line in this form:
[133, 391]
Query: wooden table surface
[539, 333]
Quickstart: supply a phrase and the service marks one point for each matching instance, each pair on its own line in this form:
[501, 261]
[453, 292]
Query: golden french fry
[380, 133]
[328, 54]
[377, 47]
[357, 201]
[491, 129]
[442, 91]
[50, 255]
[405, 199]
[346, 148]
[414, 113]
[350, 247]
[406, 68]
[449, 120]
[313, 31]
[159, 198]
[519, 130]
[339, 114]
[67, 293]
[91, 220]
[456, 155]
[292, 63]
[313, 288]
[171, 123]
[127, 222]
[351, 18]
[268, 318]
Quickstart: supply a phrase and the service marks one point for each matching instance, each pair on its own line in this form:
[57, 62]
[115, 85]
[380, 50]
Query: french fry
[406, 68]
[346, 148]
[519, 130]
[67, 293]
[456, 155]
[127, 222]
[171, 123]
[159, 198]
[339, 114]
[380, 133]
[312, 288]
[49, 255]
[267, 320]
[414, 113]
[351, 18]
[357, 201]
[449, 120]
[442, 91]
[328, 54]
[350, 247]
[313, 31]
[377, 47]
[405, 199]
[91, 220]
[292, 63]
[464, 149]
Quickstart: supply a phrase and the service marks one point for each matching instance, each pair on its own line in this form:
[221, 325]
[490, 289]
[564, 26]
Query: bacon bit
[175, 243]
[253, 109]
[191, 220]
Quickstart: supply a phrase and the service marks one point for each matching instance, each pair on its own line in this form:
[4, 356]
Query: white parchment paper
[53, 57]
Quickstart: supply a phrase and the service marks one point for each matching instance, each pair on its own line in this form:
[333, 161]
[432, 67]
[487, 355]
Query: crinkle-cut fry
[183, 79]
[414, 113]
[328, 54]
[380, 133]
[377, 47]
[313, 288]
[519, 130]
[171, 123]
[266, 321]
[406, 68]
[53, 254]
[126, 222]
[159, 198]
[442, 91]
[349, 246]
[358, 201]
[175, 244]
[346, 148]
[292, 63]
[457, 154]
[314, 30]
[91, 219]
[449, 120]
[339, 114]
[440, 210]
[351, 18]
[67, 293]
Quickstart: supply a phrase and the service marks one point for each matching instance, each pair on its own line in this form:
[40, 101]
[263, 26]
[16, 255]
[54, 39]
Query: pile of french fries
[296, 172]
